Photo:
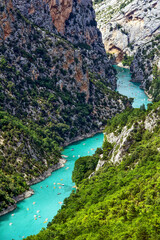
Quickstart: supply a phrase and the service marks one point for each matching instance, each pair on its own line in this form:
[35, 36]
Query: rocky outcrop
[128, 135]
[60, 12]
[74, 19]
[55, 86]
[121, 143]
[146, 57]
[126, 25]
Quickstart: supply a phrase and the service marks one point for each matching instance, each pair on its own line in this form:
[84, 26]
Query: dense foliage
[121, 201]
[155, 85]
[46, 98]
[84, 166]
[26, 151]
[127, 60]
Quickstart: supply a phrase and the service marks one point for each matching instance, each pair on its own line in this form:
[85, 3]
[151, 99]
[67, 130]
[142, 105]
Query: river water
[130, 89]
[33, 214]
[46, 200]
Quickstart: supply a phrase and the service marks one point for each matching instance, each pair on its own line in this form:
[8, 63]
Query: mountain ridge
[52, 90]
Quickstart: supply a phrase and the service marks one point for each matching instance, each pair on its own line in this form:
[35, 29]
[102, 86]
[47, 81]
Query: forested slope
[121, 201]
[51, 89]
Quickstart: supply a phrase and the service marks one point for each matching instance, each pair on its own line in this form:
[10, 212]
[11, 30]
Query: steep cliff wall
[145, 67]
[74, 20]
[52, 90]
[126, 25]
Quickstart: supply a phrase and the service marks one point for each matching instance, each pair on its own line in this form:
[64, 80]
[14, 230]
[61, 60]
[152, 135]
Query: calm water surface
[33, 214]
[46, 201]
[130, 89]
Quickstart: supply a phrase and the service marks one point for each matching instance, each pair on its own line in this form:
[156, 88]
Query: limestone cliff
[56, 83]
[145, 62]
[74, 20]
[127, 24]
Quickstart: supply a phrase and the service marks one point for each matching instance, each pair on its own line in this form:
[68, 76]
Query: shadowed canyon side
[52, 89]
[74, 20]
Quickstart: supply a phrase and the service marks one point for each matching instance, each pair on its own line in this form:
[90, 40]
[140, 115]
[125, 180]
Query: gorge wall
[127, 25]
[56, 84]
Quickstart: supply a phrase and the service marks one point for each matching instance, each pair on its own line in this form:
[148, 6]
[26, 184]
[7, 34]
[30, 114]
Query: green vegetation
[10, 185]
[84, 166]
[123, 119]
[17, 160]
[97, 1]
[46, 98]
[127, 60]
[125, 3]
[155, 85]
[121, 201]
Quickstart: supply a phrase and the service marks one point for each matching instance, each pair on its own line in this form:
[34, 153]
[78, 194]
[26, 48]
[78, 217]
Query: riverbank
[30, 192]
[149, 96]
[79, 138]
[121, 65]
[46, 174]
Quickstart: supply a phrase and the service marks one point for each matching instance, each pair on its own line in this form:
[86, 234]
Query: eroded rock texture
[126, 25]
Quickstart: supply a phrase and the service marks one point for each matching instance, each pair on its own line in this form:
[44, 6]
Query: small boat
[64, 156]
[54, 187]
[61, 179]
[60, 187]
[58, 193]
[35, 216]
[67, 168]
[73, 156]
[62, 184]
[60, 202]
[79, 155]
[10, 224]
[54, 183]
[27, 209]
[46, 219]
[38, 211]
[39, 216]
[45, 222]
[34, 202]
[12, 215]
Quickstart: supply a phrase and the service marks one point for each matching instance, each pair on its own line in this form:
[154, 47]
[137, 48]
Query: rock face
[126, 25]
[74, 19]
[56, 84]
[123, 140]
[145, 59]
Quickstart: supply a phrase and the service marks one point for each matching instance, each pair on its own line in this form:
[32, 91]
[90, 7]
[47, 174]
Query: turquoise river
[33, 214]
[130, 89]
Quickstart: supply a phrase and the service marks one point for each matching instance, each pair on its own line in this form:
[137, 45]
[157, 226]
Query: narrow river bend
[33, 214]
[130, 89]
